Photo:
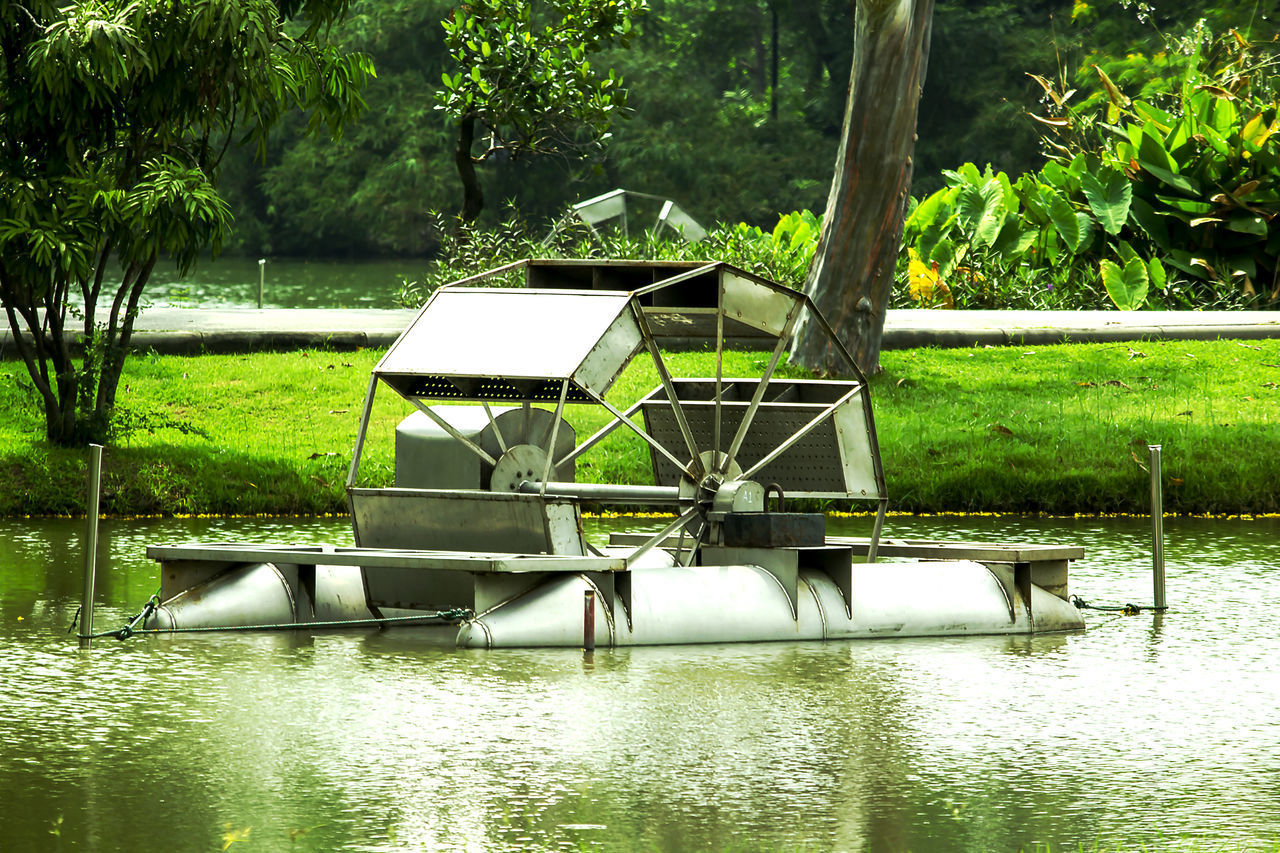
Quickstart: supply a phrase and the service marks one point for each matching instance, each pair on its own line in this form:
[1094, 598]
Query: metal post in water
[589, 621]
[262, 278]
[90, 544]
[1157, 527]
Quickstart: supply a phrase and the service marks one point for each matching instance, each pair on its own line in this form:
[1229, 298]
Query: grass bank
[1057, 430]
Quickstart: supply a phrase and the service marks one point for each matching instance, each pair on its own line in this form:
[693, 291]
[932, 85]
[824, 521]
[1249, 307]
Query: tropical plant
[986, 241]
[116, 115]
[782, 255]
[1189, 177]
[1172, 199]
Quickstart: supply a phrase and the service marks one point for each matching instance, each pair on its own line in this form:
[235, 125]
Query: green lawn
[1059, 430]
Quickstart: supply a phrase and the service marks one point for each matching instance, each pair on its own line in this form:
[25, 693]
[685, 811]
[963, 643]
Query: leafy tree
[852, 274]
[371, 191]
[528, 84]
[116, 115]
[712, 126]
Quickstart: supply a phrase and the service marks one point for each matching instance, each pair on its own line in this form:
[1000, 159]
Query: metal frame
[385, 558]
[721, 462]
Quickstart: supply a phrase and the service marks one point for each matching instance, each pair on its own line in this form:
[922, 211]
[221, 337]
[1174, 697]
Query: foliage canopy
[1172, 197]
[528, 83]
[116, 116]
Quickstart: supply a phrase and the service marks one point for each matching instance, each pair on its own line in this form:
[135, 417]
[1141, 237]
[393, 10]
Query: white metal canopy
[513, 345]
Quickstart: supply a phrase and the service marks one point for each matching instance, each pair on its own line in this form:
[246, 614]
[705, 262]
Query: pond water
[231, 282]
[1142, 730]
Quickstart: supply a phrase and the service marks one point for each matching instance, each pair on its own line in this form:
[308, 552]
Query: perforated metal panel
[833, 460]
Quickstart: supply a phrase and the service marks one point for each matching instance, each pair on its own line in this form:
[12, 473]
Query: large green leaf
[1085, 223]
[946, 257]
[1190, 264]
[929, 212]
[933, 237]
[1015, 238]
[1109, 195]
[1216, 141]
[1126, 286]
[968, 173]
[982, 209]
[1027, 188]
[1187, 205]
[1173, 179]
[1225, 116]
[1151, 148]
[1054, 175]
[1010, 196]
[1156, 273]
[1254, 225]
[1153, 115]
[1063, 216]
[1144, 216]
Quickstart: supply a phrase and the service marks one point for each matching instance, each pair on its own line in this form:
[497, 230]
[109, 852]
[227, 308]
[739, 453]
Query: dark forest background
[734, 110]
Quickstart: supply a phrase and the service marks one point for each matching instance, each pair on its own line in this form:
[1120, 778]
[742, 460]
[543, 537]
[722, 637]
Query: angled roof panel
[512, 344]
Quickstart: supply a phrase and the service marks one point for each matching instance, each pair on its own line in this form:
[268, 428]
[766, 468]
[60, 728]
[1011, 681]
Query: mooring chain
[1126, 609]
[452, 616]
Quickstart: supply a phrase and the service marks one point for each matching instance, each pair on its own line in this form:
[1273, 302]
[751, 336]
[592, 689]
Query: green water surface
[1141, 730]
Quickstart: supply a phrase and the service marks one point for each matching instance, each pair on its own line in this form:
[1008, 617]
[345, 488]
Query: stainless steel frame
[459, 348]
[486, 513]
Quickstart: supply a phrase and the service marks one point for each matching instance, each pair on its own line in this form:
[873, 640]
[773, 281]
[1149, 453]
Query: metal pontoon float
[485, 516]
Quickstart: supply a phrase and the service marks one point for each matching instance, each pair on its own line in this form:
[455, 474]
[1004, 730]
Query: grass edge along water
[1055, 430]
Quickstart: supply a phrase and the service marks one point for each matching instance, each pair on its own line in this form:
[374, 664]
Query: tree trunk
[853, 267]
[78, 400]
[472, 196]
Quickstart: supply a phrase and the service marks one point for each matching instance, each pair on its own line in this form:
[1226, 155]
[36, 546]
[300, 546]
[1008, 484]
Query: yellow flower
[925, 284]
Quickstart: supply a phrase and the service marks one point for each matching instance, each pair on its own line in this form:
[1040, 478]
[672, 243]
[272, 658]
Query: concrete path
[190, 330]
[919, 328]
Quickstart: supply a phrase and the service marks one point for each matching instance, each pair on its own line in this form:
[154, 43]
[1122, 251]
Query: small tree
[528, 85]
[852, 274]
[116, 114]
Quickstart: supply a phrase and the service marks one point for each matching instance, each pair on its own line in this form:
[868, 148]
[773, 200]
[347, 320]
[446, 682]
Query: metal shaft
[90, 544]
[1157, 528]
[606, 492]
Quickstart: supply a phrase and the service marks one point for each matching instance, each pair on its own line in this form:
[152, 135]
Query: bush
[782, 255]
[1170, 201]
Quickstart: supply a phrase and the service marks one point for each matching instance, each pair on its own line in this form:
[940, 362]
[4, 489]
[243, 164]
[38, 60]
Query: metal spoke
[693, 550]
[834, 338]
[354, 470]
[653, 442]
[875, 531]
[449, 428]
[665, 376]
[798, 435]
[555, 431]
[663, 534]
[716, 425]
[761, 387]
[599, 435]
[471, 279]
[493, 422]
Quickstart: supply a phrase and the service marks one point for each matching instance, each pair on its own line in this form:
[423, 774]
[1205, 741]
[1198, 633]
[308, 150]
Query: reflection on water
[286, 283]
[1142, 730]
